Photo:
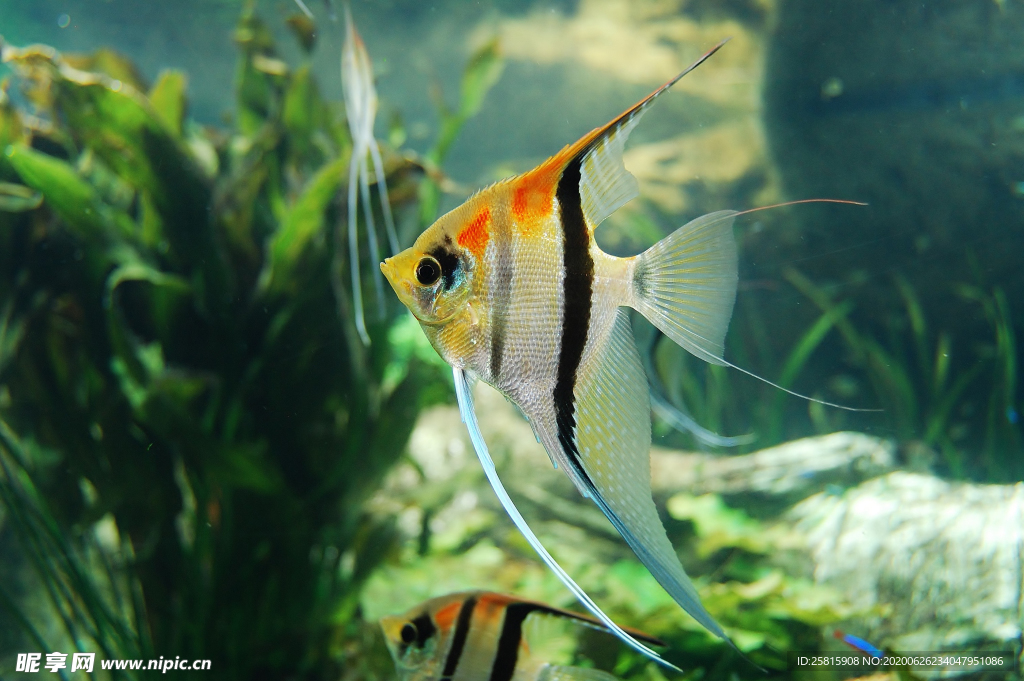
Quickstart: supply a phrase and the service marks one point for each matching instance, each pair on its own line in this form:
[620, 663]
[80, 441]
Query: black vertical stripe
[451, 662]
[425, 629]
[507, 655]
[449, 261]
[501, 285]
[578, 289]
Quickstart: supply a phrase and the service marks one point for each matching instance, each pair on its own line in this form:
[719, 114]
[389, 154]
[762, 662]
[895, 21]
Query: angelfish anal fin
[466, 409]
[613, 436]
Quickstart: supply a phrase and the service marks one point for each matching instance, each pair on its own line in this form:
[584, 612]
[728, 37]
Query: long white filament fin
[682, 421]
[371, 234]
[686, 286]
[353, 251]
[305, 10]
[468, 413]
[382, 194]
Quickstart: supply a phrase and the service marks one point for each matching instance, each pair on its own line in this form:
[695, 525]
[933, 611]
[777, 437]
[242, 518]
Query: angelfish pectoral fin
[613, 441]
[465, 399]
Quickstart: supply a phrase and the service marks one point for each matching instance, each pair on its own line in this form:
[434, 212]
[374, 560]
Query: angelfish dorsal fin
[605, 184]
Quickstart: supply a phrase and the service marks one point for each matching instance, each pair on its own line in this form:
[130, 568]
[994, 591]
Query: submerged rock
[784, 473]
[939, 562]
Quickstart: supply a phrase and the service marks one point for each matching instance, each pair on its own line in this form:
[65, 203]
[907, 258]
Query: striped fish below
[483, 636]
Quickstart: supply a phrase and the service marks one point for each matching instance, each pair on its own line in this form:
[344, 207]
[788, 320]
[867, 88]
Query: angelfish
[481, 635]
[361, 110]
[511, 288]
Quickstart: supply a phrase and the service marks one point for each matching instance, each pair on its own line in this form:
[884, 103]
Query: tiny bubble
[64, 21]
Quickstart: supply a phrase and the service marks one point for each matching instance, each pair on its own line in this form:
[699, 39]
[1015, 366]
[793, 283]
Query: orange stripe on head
[533, 193]
[475, 235]
[490, 608]
[445, 617]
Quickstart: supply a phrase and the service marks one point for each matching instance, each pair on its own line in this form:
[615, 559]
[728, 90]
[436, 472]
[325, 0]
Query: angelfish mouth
[388, 268]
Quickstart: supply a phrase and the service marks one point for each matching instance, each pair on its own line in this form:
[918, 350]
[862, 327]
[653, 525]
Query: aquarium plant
[189, 422]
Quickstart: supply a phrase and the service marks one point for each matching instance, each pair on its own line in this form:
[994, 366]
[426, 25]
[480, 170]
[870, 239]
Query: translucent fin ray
[353, 252]
[605, 184]
[468, 413]
[681, 421]
[382, 193]
[371, 235]
[686, 284]
[613, 436]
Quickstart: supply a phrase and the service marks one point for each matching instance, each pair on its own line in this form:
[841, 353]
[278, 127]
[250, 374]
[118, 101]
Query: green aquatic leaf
[122, 128]
[304, 30]
[247, 466]
[481, 74]
[717, 525]
[12, 127]
[71, 197]
[305, 116]
[138, 365]
[255, 89]
[304, 220]
[168, 98]
[408, 344]
[110, 63]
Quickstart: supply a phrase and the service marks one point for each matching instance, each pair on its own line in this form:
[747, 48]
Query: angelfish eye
[428, 271]
[408, 633]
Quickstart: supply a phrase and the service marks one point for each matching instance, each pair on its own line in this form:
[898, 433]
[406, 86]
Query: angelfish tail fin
[686, 284]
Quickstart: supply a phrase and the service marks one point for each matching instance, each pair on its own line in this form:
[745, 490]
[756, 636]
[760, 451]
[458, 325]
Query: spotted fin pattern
[613, 436]
[468, 413]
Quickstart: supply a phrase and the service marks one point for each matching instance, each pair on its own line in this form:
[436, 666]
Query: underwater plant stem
[799, 357]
